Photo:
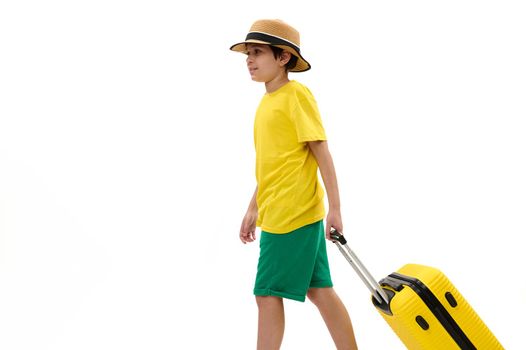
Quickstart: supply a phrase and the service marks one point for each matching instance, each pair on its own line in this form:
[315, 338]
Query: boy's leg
[335, 316]
[271, 322]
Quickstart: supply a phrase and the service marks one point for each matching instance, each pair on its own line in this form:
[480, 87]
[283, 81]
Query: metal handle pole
[373, 286]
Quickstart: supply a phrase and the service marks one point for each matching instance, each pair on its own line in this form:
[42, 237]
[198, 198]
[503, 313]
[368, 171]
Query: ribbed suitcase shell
[406, 305]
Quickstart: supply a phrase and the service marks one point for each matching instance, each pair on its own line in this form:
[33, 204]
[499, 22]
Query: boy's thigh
[290, 264]
[321, 274]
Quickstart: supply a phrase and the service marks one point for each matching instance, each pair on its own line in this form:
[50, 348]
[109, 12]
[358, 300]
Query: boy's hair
[277, 53]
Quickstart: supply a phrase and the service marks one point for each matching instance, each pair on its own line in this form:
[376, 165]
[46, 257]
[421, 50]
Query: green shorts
[289, 264]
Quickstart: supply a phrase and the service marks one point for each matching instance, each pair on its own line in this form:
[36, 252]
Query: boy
[288, 203]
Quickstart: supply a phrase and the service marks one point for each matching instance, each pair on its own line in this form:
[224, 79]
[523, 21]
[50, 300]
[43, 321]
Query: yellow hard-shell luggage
[423, 307]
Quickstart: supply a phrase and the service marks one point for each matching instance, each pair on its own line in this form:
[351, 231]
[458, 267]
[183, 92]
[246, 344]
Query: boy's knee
[314, 295]
[268, 301]
[318, 295]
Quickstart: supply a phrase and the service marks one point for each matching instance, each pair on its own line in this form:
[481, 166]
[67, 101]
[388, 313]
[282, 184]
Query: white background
[127, 162]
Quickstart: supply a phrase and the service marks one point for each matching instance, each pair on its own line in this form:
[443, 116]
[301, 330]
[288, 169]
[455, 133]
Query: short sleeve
[307, 120]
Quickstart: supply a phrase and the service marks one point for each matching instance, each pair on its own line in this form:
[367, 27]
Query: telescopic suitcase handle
[377, 291]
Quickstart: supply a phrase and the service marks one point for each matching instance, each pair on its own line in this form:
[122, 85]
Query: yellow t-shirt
[289, 192]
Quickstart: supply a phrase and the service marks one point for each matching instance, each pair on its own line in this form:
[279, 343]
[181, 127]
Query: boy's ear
[285, 57]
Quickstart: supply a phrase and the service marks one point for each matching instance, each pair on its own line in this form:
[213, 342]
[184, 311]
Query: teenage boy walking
[288, 203]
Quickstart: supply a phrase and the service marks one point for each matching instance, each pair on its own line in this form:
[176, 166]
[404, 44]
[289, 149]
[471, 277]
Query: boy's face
[262, 65]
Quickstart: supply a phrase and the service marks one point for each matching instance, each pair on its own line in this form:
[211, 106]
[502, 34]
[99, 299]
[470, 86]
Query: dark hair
[293, 59]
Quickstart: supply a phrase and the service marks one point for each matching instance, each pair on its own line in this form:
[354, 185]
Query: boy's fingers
[328, 231]
[242, 237]
[243, 232]
[247, 236]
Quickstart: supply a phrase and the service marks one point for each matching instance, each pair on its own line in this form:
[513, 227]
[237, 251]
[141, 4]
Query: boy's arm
[253, 206]
[320, 149]
[247, 233]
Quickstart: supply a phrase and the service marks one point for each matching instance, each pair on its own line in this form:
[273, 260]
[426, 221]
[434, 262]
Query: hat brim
[301, 66]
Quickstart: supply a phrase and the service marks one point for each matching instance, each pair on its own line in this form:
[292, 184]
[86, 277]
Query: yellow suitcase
[423, 307]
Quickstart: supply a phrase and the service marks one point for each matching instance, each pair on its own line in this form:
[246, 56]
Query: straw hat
[276, 33]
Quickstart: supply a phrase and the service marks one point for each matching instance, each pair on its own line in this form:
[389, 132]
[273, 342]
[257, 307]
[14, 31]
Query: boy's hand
[247, 233]
[334, 220]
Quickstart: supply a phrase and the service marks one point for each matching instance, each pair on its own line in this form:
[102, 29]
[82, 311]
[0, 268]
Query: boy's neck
[276, 83]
